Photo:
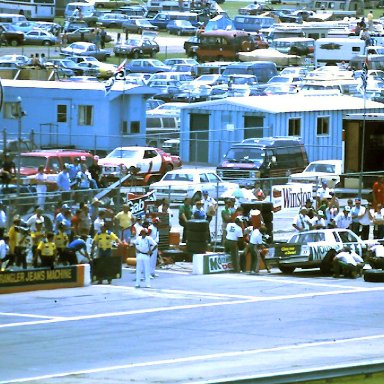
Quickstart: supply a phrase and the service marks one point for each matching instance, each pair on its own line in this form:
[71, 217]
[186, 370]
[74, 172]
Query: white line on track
[246, 300]
[199, 358]
[29, 315]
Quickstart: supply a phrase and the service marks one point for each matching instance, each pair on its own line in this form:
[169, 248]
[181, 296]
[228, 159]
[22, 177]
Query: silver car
[39, 37]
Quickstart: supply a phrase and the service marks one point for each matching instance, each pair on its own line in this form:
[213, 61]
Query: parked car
[98, 69]
[72, 25]
[318, 171]
[52, 160]
[181, 27]
[85, 49]
[48, 26]
[85, 34]
[138, 26]
[138, 160]
[180, 60]
[185, 68]
[39, 37]
[24, 26]
[10, 36]
[112, 20]
[167, 89]
[132, 10]
[178, 184]
[253, 9]
[146, 65]
[18, 59]
[136, 47]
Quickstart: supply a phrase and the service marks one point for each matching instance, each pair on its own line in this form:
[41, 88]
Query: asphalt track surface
[190, 328]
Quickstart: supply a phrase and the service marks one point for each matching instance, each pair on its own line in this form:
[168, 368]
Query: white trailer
[331, 51]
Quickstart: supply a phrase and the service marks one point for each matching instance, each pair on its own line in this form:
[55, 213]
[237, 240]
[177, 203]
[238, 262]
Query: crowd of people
[89, 232]
[365, 220]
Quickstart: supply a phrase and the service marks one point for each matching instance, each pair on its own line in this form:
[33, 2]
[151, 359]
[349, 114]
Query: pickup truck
[314, 249]
[10, 37]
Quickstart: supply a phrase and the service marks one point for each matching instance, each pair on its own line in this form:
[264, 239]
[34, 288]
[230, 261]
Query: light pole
[19, 115]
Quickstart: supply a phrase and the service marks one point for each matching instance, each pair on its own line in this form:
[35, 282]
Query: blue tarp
[219, 22]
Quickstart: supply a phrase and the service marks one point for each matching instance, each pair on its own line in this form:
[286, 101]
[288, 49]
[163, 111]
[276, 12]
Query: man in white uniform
[153, 231]
[145, 245]
[234, 235]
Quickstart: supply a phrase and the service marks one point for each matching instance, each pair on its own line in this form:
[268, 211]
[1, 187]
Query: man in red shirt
[378, 191]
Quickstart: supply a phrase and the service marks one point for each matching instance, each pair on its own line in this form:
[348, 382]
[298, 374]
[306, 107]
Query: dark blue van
[252, 23]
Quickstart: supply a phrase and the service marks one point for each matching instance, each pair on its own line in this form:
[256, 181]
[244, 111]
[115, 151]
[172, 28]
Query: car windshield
[305, 238]
[178, 177]
[245, 154]
[133, 42]
[125, 153]
[326, 168]
[32, 161]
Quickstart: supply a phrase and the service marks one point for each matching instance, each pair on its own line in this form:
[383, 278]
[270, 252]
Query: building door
[199, 138]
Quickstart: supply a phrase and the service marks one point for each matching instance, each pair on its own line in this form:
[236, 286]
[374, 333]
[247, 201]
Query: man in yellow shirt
[47, 251]
[103, 241]
[37, 236]
[124, 221]
[61, 241]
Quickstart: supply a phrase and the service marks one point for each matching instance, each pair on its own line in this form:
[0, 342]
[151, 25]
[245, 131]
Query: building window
[135, 126]
[62, 113]
[322, 126]
[85, 115]
[10, 110]
[294, 127]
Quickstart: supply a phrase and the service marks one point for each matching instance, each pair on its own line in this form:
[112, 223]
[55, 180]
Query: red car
[148, 163]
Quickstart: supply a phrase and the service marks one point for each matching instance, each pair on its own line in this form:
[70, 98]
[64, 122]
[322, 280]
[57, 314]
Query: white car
[181, 183]
[140, 160]
[318, 171]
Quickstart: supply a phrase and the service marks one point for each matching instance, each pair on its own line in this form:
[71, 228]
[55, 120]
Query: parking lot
[191, 328]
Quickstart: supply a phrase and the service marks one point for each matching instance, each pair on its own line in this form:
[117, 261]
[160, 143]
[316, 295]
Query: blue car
[147, 66]
[181, 27]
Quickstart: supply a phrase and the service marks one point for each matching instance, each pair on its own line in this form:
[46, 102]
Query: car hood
[114, 161]
[305, 175]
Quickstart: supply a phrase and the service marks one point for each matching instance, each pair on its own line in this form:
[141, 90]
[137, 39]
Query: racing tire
[197, 237]
[197, 247]
[374, 276]
[196, 225]
[286, 270]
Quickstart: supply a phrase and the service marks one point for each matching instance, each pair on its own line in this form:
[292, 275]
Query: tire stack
[197, 236]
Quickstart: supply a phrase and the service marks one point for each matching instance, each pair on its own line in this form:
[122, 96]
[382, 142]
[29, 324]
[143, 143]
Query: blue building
[80, 114]
[208, 129]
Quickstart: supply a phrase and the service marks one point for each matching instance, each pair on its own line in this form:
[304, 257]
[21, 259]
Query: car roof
[57, 152]
[193, 171]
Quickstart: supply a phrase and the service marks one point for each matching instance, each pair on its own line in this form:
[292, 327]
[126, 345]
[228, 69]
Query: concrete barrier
[44, 278]
[210, 262]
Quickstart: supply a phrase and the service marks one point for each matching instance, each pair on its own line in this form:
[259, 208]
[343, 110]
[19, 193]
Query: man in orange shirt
[378, 191]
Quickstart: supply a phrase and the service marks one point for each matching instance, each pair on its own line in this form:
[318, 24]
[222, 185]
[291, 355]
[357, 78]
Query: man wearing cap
[124, 221]
[318, 220]
[38, 216]
[145, 246]
[47, 251]
[301, 222]
[344, 219]
[323, 192]
[198, 211]
[234, 236]
[347, 263]
[153, 231]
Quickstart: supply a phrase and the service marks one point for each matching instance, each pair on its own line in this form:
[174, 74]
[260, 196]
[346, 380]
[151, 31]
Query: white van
[86, 9]
[11, 18]
[294, 45]
[330, 51]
